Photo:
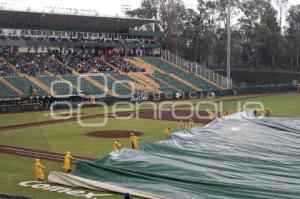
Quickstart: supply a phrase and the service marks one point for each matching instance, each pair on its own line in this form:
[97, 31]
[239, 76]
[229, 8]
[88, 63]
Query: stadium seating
[142, 65]
[192, 78]
[146, 83]
[58, 88]
[24, 85]
[164, 86]
[119, 89]
[33, 75]
[5, 90]
[85, 87]
[171, 81]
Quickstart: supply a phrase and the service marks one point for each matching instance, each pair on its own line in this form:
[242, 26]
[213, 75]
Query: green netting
[237, 157]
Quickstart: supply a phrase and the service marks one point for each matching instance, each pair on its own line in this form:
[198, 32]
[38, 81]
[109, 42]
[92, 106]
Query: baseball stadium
[139, 106]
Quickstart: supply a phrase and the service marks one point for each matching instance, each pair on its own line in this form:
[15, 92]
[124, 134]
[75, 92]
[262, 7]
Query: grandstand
[97, 107]
[51, 56]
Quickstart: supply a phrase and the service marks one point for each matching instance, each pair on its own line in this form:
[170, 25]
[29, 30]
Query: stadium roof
[67, 22]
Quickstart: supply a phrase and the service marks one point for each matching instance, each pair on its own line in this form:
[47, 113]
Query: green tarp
[239, 156]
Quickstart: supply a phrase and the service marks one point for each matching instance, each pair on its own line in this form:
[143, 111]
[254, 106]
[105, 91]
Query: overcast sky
[104, 7]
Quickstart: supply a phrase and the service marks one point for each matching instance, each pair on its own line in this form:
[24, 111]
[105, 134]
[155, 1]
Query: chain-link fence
[196, 68]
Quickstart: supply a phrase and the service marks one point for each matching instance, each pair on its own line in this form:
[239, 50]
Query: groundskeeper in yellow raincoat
[167, 133]
[191, 124]
[268, 112]
[134, 140]
[67, 161]
[210, 116]
[117, 145]
[38, 167]
[230, 112]
[181, 124]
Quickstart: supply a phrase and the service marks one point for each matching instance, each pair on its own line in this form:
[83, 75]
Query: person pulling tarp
[67, 161]
[191, 123]
[181, 125]
[117, 145]
[39, 173]
[167, 133]
[134, 141]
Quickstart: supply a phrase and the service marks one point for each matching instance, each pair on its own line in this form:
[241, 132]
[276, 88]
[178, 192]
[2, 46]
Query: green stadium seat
[190, 77]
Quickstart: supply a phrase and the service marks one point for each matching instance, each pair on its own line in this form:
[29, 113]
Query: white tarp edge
[75, 181]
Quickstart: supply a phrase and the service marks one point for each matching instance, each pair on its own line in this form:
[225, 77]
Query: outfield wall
[44, 103]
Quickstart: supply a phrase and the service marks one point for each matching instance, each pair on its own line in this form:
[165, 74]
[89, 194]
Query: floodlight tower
[228, 44]
[126, 8]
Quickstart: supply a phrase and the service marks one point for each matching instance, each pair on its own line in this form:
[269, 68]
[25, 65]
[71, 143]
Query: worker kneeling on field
[191, 124]
[67, 161]
[134, 140]
[167, 133]
[117, 145]
[268, 112]
[38, 167]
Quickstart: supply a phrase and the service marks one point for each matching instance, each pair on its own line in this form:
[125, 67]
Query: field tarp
[239, 156]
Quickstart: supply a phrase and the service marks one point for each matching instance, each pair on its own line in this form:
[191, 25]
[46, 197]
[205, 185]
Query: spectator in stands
[5, 69]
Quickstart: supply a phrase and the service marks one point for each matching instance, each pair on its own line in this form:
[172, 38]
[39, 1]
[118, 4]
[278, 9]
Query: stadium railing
[197, 68]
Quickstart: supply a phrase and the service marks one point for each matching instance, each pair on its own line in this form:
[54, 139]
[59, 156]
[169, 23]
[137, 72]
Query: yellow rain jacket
[167, 133]
[191, 124]
[268, 112]
[181, 124]
[67, 161]
[210, 116]
[38, 167]
[117, 145]
[134, 141]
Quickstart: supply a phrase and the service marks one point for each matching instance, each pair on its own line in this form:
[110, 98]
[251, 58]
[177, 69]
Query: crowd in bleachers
[34, 64]
[122, 64]
[59, 64]
[5, 70]
[84, 63]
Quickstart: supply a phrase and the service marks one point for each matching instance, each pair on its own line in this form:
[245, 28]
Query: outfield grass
[18, 169]
[39, 116]
[281, 104]
[71, 136]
